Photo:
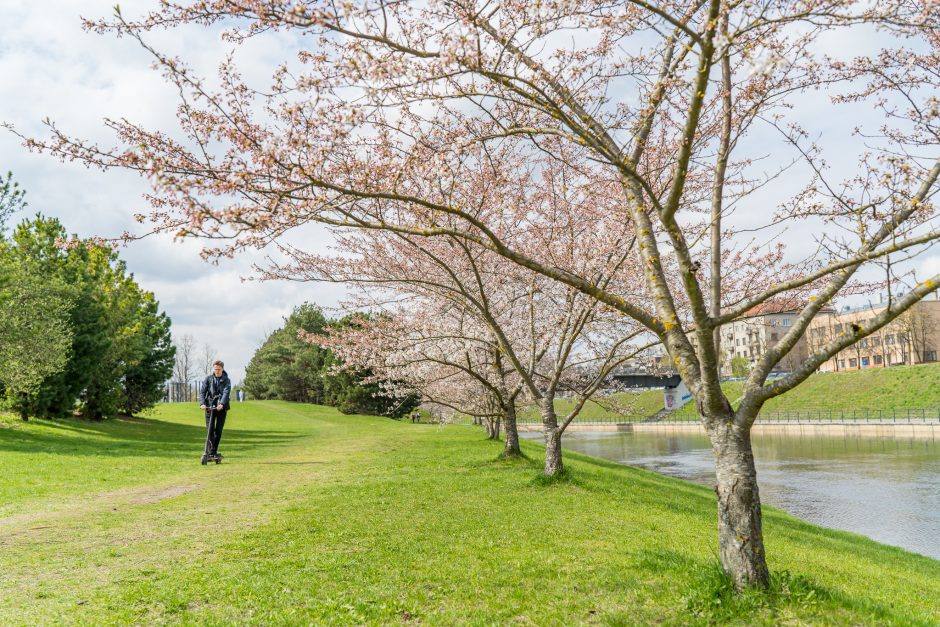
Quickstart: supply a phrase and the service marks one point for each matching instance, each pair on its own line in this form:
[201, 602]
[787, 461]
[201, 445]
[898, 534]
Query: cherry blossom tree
[388, 106]
[551, 336]
[440, 354]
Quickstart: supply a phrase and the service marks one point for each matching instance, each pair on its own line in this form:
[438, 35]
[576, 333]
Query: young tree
[184, 365]
[439, 354]
[550, 334]
[371, 127]
[207, 355]
[740, 366]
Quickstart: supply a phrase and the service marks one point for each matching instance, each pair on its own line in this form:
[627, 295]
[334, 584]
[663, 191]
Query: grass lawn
[320, 518]
[887, 389]
[622, 407]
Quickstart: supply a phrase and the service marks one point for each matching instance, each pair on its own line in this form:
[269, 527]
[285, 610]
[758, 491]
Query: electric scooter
[206, 456]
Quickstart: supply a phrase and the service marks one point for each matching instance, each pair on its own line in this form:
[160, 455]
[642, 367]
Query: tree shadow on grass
[130, 438]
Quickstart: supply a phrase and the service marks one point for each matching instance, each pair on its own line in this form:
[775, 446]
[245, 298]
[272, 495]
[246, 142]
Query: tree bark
[511, 448]
[740, 536]
[24, 412]
[553, 463]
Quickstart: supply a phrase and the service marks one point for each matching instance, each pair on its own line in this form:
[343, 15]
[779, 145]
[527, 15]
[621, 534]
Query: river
[886, 489]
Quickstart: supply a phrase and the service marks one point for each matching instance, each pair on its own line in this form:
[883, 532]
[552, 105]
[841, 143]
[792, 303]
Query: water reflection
[886, 489]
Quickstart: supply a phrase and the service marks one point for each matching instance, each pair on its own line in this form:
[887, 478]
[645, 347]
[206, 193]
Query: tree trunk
[740, 537]
[492, 428]
[24, 411]
[553, 463]
[511, 449]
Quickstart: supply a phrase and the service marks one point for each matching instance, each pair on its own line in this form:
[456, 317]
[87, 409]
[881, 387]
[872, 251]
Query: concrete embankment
[920, 431]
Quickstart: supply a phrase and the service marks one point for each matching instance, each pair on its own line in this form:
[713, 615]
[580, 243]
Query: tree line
[77, 333]
[289, 367]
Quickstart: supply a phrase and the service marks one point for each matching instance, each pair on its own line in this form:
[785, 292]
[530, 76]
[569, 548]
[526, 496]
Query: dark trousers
[215, 432]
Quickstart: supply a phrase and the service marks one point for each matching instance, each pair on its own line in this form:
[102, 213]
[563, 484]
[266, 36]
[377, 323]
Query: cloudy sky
[51, 68]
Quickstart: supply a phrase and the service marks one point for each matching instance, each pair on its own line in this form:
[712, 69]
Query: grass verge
[321, 518]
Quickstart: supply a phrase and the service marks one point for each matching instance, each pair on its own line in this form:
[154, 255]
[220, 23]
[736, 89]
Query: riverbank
[316, 517]
[873, 429]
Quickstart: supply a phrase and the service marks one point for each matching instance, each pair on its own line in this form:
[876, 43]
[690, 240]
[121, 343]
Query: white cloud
[52, 68]
[929, 268]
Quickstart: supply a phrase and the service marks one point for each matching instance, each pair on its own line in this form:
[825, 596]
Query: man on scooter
[217, 387]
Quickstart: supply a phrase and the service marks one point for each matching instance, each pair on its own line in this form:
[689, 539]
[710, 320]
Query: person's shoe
[205, 459]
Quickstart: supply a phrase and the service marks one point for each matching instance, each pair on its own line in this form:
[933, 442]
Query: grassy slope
[887, 389]
[627, 406]
[897, 388]
[317, 517]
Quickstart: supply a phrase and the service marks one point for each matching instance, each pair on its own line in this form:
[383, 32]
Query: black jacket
[212, 388]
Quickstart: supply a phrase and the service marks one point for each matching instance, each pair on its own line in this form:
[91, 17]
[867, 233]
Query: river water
[886, 489]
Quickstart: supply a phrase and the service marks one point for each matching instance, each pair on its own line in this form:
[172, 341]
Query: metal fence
[175, 392]
[837, 416]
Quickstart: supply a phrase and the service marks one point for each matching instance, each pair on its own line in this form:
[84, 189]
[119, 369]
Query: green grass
[898, 388]
[321, 518]
[887, 390]
[622, 407]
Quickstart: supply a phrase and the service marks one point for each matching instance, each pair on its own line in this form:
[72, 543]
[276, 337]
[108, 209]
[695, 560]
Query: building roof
[775, 306]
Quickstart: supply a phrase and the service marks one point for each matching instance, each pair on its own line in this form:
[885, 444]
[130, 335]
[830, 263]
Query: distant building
[911, 338]
[759, 329]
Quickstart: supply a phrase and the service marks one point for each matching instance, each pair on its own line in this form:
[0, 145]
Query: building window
[838, 328]
[787, 322]
[864, 362]
[842, 363]
[889, 339]
[853, 363]
[864, 343]
[877, 360]
[930, 355]
[876, 341]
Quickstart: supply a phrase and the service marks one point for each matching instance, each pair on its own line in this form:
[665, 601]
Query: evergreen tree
[120, 348]
[35, 337]
[288, 368]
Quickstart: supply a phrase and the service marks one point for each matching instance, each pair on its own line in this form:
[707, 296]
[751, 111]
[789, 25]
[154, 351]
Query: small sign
[676, 397]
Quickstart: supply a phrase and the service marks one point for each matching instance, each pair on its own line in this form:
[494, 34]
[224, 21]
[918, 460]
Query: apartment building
[912, 338]
[759, 329]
